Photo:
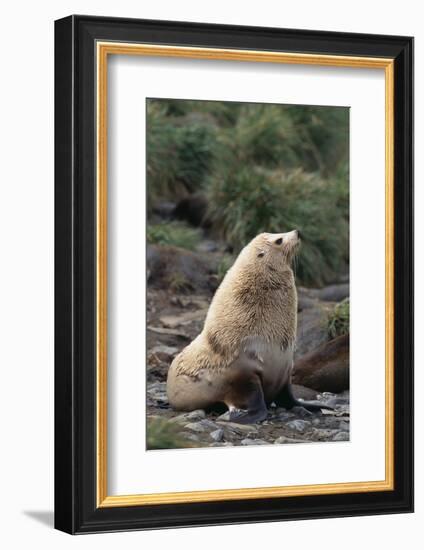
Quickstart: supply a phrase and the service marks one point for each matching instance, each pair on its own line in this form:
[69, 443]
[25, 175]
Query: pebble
[298, 425]
[282, 426]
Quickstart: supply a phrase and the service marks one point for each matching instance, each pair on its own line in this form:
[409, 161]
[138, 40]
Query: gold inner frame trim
[103, 50]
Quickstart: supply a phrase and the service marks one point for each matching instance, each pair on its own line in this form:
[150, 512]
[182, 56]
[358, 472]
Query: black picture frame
[76, 510]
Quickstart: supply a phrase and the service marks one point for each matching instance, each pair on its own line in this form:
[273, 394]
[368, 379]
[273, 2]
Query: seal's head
[265, 262]
[275, 250]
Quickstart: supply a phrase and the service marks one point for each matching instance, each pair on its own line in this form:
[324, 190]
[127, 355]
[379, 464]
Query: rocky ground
[177, 302]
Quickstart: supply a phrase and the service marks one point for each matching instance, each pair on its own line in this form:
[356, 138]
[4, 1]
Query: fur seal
[243, 357]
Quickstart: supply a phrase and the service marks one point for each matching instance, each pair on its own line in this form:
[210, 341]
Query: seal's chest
[274, 359]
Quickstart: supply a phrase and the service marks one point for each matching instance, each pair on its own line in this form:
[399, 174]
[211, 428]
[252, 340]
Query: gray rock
[341, 436]
[157, 392]
[331, 293]
[326, 395]
[169, 266]
[283, 439]
[305, 302]
[344, 426]
[217, 435]
[323, 435]
[192, 416]
[198, 414]
[164, 352]
[312, 329]
[281, 416]
[330, 423]
[185, 318]
[192, 437]
[168, 332]
[180, 419]
[238, 428]
[209, 424]
[298, 425]
[157, 386]
[335, 401]
[196, 427]
[222, 444]
[334, 293]
[249, 441]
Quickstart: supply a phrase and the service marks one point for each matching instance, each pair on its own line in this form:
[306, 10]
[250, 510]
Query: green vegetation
[263, 168]
[178, 282]
[256, 200]
[173, 234]
[338, 321]
[162, 434]
[179, 152]
[223, 266]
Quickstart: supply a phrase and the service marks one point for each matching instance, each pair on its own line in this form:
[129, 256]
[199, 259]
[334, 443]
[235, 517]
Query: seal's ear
[261, 254]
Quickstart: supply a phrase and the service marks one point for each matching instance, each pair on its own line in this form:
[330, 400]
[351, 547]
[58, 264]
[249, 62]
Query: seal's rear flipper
[287, 400]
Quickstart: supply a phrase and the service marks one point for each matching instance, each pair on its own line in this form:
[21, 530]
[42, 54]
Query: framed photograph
[234, 274]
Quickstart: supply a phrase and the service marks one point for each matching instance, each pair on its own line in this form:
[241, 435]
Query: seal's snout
[294, 236]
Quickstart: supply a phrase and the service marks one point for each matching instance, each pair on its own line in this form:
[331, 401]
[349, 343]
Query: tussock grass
[174, 234]
[162, 434]
[263, 168]
[179, 153]
[338, 321]
[249, 201]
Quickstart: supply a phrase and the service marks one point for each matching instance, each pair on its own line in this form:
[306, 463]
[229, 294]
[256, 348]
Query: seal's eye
[279, 241]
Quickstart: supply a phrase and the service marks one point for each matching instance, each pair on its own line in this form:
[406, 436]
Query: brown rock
[325, 369]
[174, 321]
[178, 270]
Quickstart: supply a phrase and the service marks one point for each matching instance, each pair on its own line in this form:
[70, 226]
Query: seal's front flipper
[246, 401]
[287, 400]
[247, 417]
